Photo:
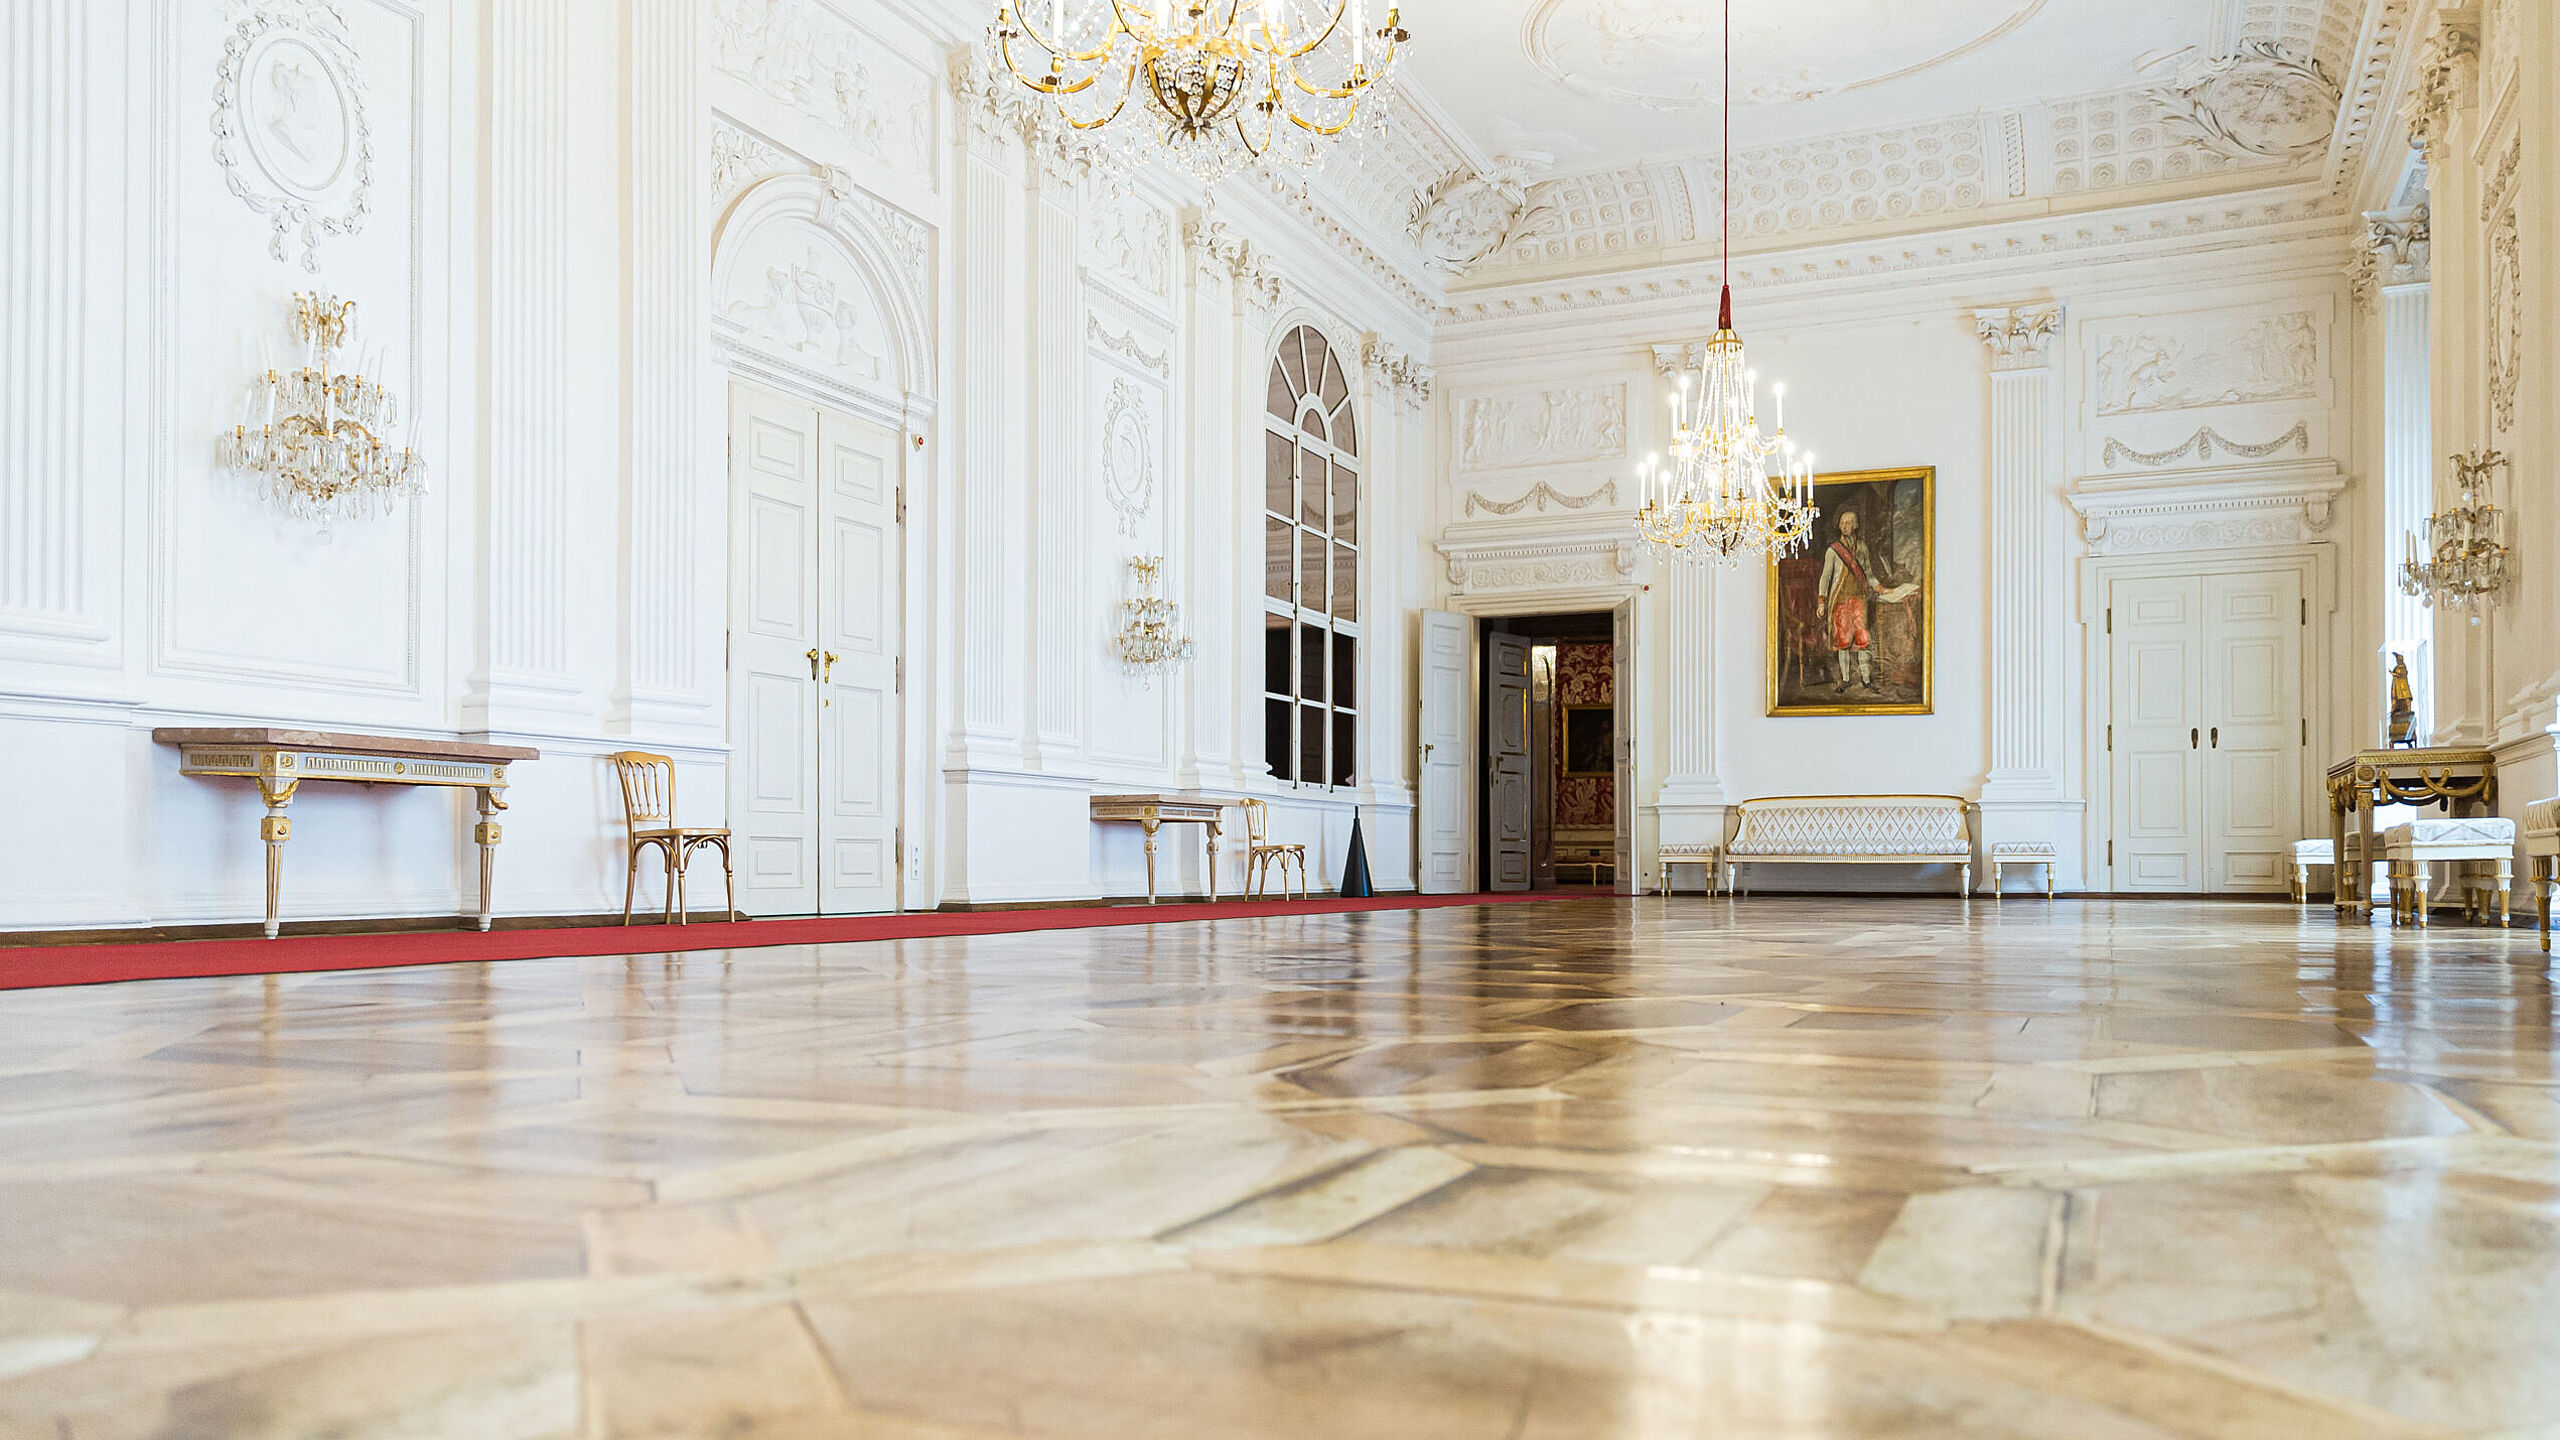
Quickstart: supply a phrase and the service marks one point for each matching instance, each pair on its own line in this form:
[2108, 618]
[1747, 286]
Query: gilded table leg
[1150, 827]
[275, 829]
[2337, 851]
[1213, 862]
[2364, 853]
[486, 835]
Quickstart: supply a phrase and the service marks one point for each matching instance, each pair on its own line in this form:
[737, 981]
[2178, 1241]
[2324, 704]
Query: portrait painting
[1852, 617]
[1590, 740]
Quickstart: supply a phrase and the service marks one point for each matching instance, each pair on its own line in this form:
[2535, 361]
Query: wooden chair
[649, 808]
[1260, 855]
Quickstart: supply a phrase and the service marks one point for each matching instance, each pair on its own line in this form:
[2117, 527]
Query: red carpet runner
[31, 967]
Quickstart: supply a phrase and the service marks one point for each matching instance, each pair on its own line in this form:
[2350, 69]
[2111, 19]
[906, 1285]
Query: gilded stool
[1709, 855]
[2417, 845]
[2022, 852]
[2310, 855]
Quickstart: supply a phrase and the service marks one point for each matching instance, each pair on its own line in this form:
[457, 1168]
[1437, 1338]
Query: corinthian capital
[2448, 78]
[2020, 337]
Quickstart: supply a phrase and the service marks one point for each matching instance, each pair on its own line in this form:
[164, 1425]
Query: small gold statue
[2404, 705]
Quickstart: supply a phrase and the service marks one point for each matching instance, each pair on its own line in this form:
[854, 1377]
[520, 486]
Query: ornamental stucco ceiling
[1591, 137]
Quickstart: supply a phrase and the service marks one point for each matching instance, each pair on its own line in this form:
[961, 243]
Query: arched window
[1311, 566]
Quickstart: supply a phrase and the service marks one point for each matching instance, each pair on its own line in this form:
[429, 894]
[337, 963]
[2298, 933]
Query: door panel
[2158, 772]
[2253, 729]
[1506, 740]
[773, 788]
[2208, 739]
[1440, 824]
[859, 742]
[814, 792]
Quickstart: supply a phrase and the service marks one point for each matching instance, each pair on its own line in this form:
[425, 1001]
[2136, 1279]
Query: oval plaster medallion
[1668, 55]
[289, 126]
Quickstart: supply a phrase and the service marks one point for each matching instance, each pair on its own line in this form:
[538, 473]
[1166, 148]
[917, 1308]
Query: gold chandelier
[2462, 559]
[318, 446]
[1716, 499]
[1150, 642]
[1219, 84]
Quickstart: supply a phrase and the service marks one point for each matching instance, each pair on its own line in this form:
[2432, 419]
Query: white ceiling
[1596, 83]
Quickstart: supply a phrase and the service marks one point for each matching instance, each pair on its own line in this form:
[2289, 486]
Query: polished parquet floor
[1587, 1168]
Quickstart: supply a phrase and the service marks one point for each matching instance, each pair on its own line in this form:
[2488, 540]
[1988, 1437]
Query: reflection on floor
[1589, 1168]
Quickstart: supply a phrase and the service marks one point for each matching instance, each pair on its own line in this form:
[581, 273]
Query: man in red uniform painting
[1841, 599]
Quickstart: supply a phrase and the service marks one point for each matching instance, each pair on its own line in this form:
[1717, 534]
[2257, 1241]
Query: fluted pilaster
[2026, 759]
[528, 454]
[674, 624]
[988, 578]
[1060, 620]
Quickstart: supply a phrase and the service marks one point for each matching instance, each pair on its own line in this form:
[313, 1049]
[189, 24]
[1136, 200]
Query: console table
[1153, 812]
[281, 760]
[2457, 779]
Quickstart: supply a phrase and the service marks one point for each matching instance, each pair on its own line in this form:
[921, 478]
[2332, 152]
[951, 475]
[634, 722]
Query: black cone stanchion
[1356, 884]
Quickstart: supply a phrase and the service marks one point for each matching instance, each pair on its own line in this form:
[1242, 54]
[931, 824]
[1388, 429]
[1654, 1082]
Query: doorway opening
[1551, 789]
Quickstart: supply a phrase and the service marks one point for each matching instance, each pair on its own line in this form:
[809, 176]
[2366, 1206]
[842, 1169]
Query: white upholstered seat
[2309, 855]
[1852, 830]
[2416, 845]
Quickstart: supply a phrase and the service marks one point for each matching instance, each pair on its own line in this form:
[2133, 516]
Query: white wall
[563, 246]
[1887, 365]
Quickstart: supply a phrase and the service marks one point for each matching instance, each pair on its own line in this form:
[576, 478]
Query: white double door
[2207, 742]
[814, 672]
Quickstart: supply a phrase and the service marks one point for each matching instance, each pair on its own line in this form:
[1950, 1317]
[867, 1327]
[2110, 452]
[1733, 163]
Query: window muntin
[1311, 566]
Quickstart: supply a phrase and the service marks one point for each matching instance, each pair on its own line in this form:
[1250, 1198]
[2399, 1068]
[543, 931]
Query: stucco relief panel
[812, 60]
[1565, 425]
[1130, 239]
[2208, 362]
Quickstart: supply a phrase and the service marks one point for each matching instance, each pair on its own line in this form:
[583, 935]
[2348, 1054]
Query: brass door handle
[830, 676]
[2193, 736]
[813, 664]
[2217, 737]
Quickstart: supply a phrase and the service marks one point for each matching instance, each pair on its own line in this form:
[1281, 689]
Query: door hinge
[2111, 737]
[902, 504]
[901, 684]
[2111, 853]
[2306, 732]
[2306, 610]
[2111, 619]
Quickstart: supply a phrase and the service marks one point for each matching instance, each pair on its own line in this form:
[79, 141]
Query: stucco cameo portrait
[289, 125]
[1128, 455]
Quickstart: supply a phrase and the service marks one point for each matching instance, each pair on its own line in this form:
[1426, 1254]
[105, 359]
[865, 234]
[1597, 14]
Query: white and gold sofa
[1851, 830]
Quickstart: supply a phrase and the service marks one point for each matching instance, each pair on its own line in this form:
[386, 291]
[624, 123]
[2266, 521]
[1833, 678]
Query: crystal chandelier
[318, 443]
[1219, 84]
[1150, 642]
[1716, 499]
[2463, 558]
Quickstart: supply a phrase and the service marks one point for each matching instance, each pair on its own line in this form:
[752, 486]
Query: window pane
[1311, 744]
[1346, 504]
[1335, 392]
[1346, 433]
[1346, 583]
[1293, 371]
[1346, 667]
[1311, 663]
[1278, 479]
[1346, 750]
[1278, 537]
[1275, 654]
[1311, 570]
[1311, 489]
[1313, 424]
[1311, 345]
[1279, 399]
[1276, 744]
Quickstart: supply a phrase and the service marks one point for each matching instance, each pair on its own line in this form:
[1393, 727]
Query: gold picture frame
[1880, 659]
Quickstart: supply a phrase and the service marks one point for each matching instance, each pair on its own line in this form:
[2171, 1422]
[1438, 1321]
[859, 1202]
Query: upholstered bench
[1851, 830]
[2542, 854]
[2310, 855]
[2022, 852]
[1711, 856]
[2413, 847]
